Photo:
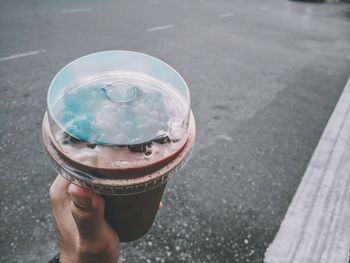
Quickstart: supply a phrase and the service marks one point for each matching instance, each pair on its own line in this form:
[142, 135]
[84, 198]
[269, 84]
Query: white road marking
[224, 137]
[316, 227]
[21, 55]
[76, 10]
[157, 28]
[225, 15]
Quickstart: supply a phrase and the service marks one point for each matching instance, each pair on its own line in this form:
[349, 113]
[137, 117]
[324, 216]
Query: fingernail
[81, 202]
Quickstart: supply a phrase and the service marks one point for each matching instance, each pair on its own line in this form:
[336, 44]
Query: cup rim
[111, 51]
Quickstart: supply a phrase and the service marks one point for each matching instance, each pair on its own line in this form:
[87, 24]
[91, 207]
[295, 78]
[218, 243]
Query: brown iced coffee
[119, 123]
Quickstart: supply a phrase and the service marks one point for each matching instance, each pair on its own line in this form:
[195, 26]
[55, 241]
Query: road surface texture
[264, 78]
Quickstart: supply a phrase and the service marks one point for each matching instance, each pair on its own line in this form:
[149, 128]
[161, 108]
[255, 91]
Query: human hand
[84, 235]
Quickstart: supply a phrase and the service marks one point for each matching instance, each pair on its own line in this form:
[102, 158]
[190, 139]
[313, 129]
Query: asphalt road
[264, 78]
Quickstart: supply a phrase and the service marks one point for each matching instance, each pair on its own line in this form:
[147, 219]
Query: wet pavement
[264, 78]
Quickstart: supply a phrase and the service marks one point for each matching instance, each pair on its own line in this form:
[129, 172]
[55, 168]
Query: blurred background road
[264, 78]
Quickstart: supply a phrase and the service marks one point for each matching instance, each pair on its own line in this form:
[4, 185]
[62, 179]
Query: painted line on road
[225, 15]
[76, 10]
[21, 55]
[157, 28]
[316, 226]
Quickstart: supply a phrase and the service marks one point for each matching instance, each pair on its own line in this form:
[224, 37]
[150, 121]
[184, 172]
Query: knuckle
[80, 214]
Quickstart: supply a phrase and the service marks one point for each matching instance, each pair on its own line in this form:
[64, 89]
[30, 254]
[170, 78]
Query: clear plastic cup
[120, 124]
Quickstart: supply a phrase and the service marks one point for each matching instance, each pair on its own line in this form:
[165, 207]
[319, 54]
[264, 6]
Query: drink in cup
[119, 123]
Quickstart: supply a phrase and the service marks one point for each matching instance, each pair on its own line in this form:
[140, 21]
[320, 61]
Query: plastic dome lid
[116, 99]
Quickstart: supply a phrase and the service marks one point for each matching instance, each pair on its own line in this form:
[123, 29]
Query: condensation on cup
[119, 123]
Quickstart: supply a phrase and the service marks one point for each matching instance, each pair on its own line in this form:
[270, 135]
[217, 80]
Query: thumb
[88, 212]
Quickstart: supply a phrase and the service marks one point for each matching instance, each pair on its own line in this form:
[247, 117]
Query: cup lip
[112, 51]
[121, 186]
